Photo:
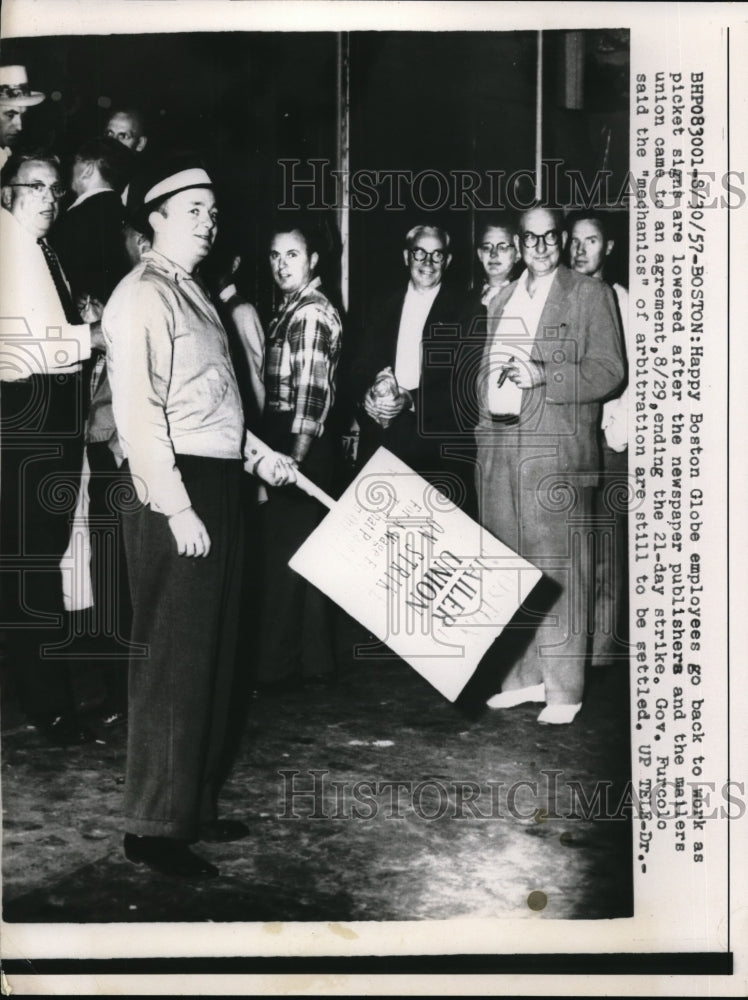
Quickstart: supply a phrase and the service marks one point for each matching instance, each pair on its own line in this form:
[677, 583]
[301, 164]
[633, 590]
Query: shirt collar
[295, 296]
[86, 195]
[168, 267]
[429, 295]
[542, 284]
[489, 292]
[8, 217]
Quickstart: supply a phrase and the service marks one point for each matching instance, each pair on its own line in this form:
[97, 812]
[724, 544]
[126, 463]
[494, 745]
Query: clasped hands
[385, 400]
[276, 469]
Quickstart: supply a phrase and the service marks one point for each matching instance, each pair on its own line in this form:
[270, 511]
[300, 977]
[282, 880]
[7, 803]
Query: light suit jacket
[579, 343]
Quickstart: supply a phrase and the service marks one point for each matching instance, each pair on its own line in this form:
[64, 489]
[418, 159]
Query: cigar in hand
[505, 372]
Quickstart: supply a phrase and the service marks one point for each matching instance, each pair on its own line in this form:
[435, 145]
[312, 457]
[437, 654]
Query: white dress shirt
[35, 337]
[88, 194]
[416, 308]
[489, 292]
[513, 340]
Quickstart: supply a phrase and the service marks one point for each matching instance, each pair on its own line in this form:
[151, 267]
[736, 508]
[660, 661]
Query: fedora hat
[14, 88]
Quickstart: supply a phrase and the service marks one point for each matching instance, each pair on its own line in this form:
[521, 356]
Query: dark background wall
[243, 101]
[437, 102]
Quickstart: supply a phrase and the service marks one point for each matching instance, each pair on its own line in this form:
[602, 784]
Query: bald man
[553, 355]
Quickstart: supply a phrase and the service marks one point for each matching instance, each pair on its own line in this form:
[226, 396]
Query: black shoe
[66, 730]
[219, 831]
[168, 856]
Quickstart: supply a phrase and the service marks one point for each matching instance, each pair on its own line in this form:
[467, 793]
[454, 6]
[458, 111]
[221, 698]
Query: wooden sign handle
[313, 490]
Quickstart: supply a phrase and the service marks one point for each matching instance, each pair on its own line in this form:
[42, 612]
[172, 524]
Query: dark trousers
[296, 624]
[446, 461]
[109, 491]
[42, 453]
[186, 611]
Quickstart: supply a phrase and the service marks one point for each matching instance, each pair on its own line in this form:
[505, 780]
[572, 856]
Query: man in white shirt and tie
[43, 343]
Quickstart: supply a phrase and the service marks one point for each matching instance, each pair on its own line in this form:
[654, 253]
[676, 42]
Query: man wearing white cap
[15, 99]
[179, 419]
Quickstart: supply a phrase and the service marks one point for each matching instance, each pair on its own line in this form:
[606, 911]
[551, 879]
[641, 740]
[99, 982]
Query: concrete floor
[418, 853]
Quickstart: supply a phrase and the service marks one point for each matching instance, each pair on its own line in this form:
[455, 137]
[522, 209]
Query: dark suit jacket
[580, 344]
[416, 437]
[89, 242]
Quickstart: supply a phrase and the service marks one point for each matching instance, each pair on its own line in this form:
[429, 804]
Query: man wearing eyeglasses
[553, 355]
[43, 343]
[407, 399]
[497, 255]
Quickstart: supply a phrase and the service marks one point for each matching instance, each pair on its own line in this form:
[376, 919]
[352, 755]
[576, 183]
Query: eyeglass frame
[38, 188]
[537, 237]
[489, 248]
[428, 254]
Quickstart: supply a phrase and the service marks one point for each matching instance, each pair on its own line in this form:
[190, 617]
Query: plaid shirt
[303, 345]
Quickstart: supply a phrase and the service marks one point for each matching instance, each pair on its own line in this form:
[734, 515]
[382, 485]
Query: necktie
[66, 299]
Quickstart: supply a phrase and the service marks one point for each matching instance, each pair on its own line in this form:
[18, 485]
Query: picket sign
[416, 571]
